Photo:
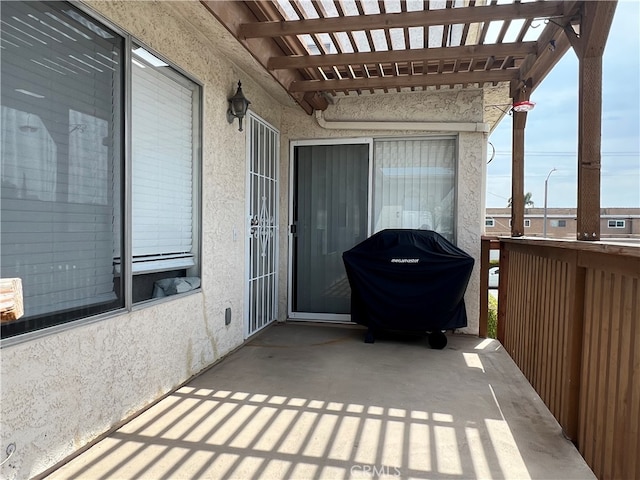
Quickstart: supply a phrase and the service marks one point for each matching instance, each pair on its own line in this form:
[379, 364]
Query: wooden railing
[569, 316]
[486, 245]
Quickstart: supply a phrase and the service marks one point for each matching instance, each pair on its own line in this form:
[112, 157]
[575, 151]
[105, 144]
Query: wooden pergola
[318, 50]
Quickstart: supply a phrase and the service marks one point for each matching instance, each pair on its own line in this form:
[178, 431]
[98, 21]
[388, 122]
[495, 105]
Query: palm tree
[527, 200]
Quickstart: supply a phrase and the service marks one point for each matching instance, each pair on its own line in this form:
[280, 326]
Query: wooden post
[571, 408]
[517, 166]
[595, 23]
[485, 245]
[503, 292]
[589, 132]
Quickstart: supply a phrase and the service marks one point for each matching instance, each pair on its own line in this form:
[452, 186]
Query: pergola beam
[404, 81]
[551, 47]
[448, 16]
[431, 54]
[232, 15]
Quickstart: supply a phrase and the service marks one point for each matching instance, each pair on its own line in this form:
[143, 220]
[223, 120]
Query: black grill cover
[409, 280]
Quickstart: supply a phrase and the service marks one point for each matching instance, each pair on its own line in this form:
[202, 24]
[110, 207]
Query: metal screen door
[330, 204]
[262, 243]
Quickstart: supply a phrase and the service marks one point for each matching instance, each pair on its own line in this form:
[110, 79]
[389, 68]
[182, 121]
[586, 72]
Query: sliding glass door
[343, 192]
[330, 205]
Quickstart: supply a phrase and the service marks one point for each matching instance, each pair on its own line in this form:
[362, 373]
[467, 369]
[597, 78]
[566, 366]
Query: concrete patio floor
[303, 401]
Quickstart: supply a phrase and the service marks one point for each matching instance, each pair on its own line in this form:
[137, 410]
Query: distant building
[615, 223]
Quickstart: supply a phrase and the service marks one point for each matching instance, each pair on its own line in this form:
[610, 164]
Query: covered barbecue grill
[408, 280]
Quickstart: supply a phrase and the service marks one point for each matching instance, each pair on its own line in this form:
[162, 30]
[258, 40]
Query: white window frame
[489, 222]
[616, 224]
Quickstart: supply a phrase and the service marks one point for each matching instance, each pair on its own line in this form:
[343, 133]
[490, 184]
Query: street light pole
[546, 182]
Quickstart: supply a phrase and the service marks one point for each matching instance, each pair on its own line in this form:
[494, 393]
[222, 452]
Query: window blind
[414, 185]
[162, 165]
[60, 116]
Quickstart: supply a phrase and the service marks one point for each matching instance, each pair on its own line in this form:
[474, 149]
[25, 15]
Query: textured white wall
[455, 105]
[61, 391]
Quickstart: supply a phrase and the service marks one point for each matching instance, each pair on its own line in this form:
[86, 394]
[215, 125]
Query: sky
[551, 133]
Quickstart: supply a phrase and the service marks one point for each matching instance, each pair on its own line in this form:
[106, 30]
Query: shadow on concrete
[306, 401]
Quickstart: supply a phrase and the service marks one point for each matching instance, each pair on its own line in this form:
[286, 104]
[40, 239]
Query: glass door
[330, 206]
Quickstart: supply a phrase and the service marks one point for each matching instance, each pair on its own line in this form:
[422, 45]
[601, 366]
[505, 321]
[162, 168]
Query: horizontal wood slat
[572, 325]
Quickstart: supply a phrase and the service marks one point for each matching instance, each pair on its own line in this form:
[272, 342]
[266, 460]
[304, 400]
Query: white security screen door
[261, 304]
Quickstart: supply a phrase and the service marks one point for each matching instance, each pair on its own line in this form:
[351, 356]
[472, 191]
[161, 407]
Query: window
[164, 132]
[414, 185]
[489, 222]
[616, 223]
[558, 223]
[527, 222]
[63, 163]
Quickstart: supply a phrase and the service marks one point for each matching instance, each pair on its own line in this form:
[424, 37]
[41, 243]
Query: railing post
[485, 249]
[571, 412]
[503, 291]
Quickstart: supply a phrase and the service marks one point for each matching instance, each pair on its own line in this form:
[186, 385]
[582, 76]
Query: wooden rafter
[466, 53]
[435, 54]
[595, 22]
[231, 15]
[461, 78]
[461, 15]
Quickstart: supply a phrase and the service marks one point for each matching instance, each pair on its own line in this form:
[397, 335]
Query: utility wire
[569, 154]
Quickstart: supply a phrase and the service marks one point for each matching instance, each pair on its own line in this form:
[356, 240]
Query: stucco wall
[455, 105]
[62, 390]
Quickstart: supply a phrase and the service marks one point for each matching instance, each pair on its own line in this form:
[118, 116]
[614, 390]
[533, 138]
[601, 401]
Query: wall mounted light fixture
[523, 106]
[509, 108]
[238, 105]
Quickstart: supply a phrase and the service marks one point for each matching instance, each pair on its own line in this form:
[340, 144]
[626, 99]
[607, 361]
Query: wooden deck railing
[569, 316]
[486, 245]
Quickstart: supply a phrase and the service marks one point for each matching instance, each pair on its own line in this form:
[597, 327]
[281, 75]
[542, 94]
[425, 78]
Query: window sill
[64, 327]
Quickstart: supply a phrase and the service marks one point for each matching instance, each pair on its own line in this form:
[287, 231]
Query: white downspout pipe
[399, 125]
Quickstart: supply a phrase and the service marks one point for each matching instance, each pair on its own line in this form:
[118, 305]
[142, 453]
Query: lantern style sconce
[238, 105]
